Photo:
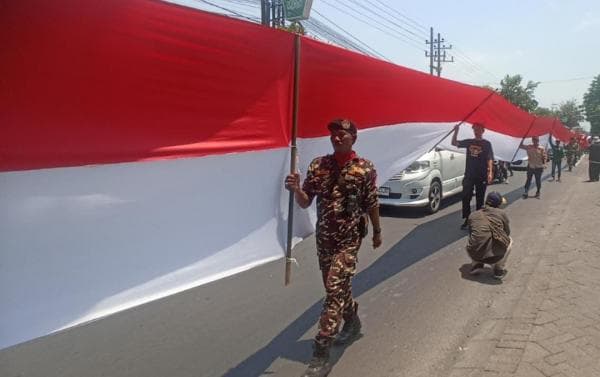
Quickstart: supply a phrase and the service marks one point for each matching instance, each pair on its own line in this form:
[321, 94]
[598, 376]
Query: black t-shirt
[594, 152]
[478, 154]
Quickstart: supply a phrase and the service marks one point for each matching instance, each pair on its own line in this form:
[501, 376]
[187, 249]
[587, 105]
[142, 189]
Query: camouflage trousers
[338, 265]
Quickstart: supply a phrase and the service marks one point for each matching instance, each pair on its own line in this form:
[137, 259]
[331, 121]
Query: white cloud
[553, 5]
[588, 21]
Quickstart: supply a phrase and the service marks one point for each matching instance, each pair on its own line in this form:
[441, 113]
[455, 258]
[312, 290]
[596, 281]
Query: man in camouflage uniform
[489, 236]
[571, 152]
[346, 191]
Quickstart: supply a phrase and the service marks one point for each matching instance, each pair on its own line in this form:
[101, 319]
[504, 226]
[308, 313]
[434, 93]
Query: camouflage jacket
[343, 195]
[489, 233]
[571, 149]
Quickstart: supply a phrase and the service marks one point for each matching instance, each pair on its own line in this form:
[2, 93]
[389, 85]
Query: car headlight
[417, 166]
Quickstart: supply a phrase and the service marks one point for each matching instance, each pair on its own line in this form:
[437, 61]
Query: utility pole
[441, 58]
[437, 53]
[430, 42]
[272, 13]
[265, 12]
[277, 16]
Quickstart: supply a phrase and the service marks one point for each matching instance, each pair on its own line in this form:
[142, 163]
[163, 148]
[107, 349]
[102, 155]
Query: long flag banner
[142, 151]
[143, 147]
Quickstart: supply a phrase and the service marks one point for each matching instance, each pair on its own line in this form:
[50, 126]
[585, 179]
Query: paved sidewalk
[545, 319]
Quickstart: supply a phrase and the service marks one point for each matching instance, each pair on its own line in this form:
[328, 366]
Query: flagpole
[464, 120]
[551, 132]
[293, 158]
[523, 139]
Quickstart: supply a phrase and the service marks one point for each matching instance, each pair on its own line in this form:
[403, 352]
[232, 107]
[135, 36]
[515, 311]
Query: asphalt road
[416, 304]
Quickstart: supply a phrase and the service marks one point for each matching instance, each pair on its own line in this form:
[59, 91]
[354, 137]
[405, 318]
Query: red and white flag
[142, 152]
[144, 146]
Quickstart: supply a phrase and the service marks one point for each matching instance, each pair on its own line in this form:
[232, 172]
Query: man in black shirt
[478, 168]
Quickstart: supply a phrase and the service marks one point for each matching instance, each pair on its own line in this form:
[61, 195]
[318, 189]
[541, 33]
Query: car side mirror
[438, 149]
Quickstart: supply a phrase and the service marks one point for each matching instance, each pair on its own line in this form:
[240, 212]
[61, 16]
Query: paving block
[544, 317]
[465, 372]
[476, 354]
[527, 370]
[557, 358]
[511, 344]
[491, 330]
[533, 352]
[546, 369]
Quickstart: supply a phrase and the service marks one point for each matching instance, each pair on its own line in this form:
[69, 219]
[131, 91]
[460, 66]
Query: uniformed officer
[345, 187]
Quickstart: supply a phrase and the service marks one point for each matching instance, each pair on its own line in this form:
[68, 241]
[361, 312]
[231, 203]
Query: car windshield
[417, 166]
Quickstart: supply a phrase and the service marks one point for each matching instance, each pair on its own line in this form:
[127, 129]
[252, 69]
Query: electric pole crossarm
[437, 53]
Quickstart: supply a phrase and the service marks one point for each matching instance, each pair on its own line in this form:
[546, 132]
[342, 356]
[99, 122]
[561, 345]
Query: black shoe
[476, 268]
[525, 196]
[537, 195]
[500, 273]
[350, 332]
[464, 225]
[319, 365]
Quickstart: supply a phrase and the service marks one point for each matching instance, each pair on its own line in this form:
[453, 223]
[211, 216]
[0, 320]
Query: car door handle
[452, 156]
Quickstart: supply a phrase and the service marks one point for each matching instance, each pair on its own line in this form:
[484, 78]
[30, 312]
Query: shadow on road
[416, 213]
[423, 241]
[484, 277]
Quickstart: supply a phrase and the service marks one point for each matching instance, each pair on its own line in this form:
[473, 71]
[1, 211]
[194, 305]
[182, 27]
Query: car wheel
[435, 197]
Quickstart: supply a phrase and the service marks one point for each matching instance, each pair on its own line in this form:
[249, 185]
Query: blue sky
[551, 41]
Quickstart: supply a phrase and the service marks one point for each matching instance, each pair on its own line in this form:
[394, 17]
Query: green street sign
[296, 10]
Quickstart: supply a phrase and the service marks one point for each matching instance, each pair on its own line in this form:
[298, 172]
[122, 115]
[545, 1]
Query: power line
[566, 80]
[359, 46]
[421, 26]
[350, 34]
[254, 4]
[314, 26]
[471, 66]
[470, 73]
[388, 20]
[417, 24]
[250, 18]
[379, 23]
[317, 28]
[374, 26]
[550, 81]
[475, 64]
[354, 43]
[467, 61]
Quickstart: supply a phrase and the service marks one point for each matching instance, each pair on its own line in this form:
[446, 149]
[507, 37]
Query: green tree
[591, 104]
[521, 96]
[570, 113]
[294, 27]
[544, 112]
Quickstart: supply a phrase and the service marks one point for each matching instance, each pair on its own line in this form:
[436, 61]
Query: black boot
[319, 364]
[350, 332]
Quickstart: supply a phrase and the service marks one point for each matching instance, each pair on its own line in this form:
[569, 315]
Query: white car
[435, 175]
[519, 165]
